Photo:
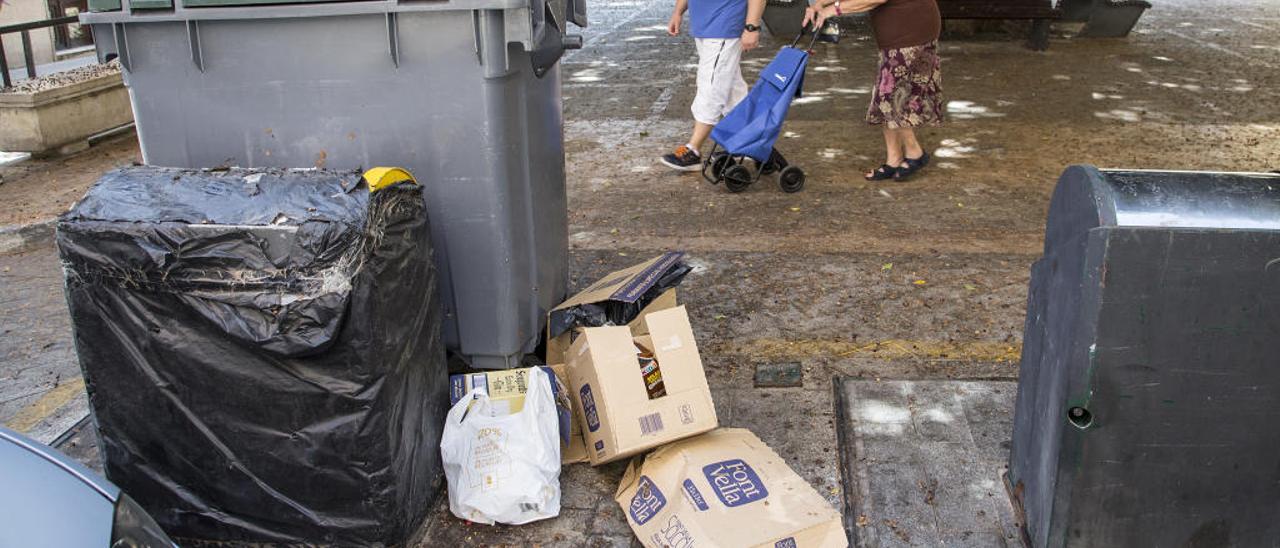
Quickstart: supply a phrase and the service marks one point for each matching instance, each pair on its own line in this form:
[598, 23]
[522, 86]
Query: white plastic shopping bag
[503, 467]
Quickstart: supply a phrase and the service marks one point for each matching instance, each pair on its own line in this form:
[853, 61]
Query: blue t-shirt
[717, 18]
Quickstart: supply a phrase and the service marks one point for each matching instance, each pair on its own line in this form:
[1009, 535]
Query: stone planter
[60, 118]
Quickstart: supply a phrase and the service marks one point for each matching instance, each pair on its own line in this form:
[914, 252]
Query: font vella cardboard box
[725, 488]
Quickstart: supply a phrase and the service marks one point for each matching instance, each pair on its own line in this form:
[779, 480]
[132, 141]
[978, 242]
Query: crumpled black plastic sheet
[616, 312]
[261, 350]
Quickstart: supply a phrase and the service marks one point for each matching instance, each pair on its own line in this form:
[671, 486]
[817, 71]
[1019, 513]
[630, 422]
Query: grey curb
[20, 238]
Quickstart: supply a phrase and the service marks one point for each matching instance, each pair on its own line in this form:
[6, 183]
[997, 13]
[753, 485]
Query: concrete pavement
[42, 393]
[924, 281]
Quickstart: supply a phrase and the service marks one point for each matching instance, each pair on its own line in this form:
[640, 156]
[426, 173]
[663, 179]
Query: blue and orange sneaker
[683, 159]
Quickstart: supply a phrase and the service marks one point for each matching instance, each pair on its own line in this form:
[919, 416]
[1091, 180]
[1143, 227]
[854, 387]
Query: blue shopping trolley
[750, 130]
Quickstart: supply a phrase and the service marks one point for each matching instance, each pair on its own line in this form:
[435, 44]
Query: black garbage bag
[636, 287]
[261, 350]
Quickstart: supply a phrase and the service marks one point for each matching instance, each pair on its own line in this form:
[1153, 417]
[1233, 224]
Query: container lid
[1087, 197]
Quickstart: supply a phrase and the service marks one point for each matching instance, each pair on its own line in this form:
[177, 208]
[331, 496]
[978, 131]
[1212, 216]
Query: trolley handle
[808, 28]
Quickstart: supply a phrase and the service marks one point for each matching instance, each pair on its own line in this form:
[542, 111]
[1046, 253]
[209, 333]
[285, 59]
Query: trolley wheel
[791, 179]
[775, 163]
[737, 178]
[719, 161]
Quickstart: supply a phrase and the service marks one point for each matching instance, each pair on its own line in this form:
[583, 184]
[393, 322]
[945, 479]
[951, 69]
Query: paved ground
[928, 458]
[42, 394]
[40, 190]
[918, 281]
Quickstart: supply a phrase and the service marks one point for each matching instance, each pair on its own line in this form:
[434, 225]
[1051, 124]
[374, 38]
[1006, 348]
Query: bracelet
[837, 5]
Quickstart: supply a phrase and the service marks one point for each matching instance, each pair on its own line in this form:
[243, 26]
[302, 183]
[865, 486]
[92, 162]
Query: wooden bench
[1041, 12]
[783, 16]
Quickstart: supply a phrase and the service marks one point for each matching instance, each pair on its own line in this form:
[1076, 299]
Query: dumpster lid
[1195, 199]
[1087, 197]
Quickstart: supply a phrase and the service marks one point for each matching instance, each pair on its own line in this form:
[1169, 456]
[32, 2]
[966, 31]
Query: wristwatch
[751, 28]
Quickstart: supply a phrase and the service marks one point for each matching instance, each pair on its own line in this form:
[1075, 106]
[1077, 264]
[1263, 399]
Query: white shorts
[720, 83]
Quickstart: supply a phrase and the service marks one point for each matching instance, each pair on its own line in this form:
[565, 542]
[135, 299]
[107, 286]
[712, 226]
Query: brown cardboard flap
[663, 302]
[557, 346]
[580, 377]
[629, 477]
[672, 338]
[613, 355]
[610, 287]
[576, 449]
[629, 285]
[645, 342]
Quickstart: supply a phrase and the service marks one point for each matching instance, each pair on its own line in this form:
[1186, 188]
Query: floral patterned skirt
[908, 92]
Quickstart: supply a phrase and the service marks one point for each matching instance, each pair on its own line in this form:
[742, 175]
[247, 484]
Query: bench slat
[998, 9]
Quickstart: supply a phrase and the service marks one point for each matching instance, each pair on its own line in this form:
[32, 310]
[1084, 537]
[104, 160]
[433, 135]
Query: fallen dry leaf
[893, 525]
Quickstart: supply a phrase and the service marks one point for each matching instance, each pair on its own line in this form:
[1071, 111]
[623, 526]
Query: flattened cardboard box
[619, 418]
[725, 488]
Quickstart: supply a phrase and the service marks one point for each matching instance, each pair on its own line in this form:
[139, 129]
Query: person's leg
[713, 90]
[726, 84]
[923, 106]
[892, 147]
[739, 90]
[914, 156]
[700, 133]
[705, 108]
[910, 146]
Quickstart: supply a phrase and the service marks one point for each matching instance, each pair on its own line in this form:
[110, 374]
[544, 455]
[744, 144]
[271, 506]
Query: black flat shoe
[913, 165]
[882, 173]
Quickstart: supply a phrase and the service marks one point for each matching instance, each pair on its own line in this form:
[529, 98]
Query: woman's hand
[818, 16]
[673, 26]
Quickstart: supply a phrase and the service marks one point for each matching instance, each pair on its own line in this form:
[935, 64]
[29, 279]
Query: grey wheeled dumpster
[465, 94]
[1147, 398]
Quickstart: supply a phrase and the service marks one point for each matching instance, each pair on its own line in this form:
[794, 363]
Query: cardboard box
[575, 449]
[629, 285]
[725, 488]
[618, 415]
[506, 389]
